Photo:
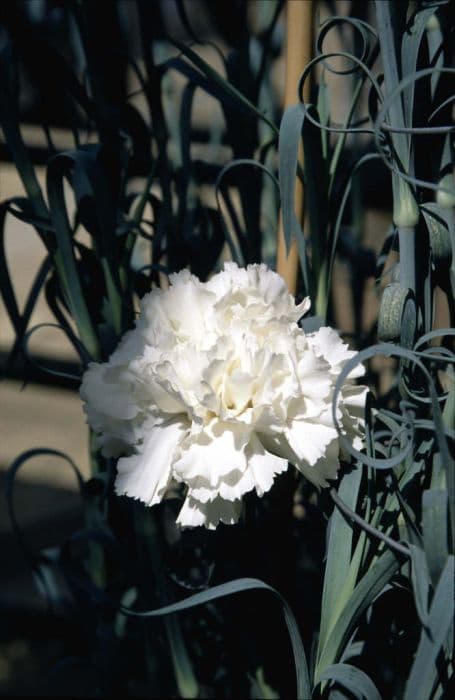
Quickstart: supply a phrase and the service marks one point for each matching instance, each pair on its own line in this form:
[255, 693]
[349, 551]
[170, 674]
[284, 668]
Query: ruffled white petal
[210, 514]
[328, 344]
[263, 466]
[354, 398]
[105, 389]
[147, 474]
[212, 455]
[325, 468]
[309, 441]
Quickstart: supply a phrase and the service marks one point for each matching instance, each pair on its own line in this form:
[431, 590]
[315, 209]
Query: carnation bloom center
[217, 387]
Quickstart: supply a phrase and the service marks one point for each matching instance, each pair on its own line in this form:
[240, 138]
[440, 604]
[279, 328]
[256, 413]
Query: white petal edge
[325, 468]
[194, 514]
[146, 475]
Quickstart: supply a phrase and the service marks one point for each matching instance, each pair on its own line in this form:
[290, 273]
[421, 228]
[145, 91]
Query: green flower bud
[405, 208]
[446, 200]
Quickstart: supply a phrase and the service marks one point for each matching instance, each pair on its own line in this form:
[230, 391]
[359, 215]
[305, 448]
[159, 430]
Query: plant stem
[396, 546]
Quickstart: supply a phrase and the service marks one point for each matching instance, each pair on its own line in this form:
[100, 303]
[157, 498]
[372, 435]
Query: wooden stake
[299, 44]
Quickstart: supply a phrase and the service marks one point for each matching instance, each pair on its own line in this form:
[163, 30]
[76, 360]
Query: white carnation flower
[218, 387]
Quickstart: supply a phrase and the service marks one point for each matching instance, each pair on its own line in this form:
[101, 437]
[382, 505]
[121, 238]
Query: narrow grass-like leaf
[37, 562]
[424, 671]
[367, 527]
[435, 43]
[20, 208]
[317, 206]
[420, 582]
[288, 148]
[149, 545]
[434, 526]
[395, 165]
[9, 121]
[242, 236]
[11, 475]
[410, 46]
[239, 586]
[6, 286]
[64, 254]
[95, 198]
[224, 87]
[288, 144]
[390, 350]
[197, 79]
[183, 16]
[44, 368]
[368, 588]
[55, 303]
[183, 669]
[221, 191]
[339, 551]
[29, 307]
[335, 233]
[353, 679]
[389, 18]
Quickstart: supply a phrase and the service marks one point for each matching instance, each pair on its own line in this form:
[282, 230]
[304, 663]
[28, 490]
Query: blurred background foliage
[140, 137]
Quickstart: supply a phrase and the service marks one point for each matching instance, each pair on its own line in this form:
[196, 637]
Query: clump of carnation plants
[266, 515]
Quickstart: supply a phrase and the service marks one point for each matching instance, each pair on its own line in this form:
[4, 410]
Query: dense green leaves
[337, 582]
[353, 679]
[424, 672]
[221, 87]
[363, 595]
[435, 532]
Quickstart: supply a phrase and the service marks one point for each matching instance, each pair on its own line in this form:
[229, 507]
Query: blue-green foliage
[384, 577]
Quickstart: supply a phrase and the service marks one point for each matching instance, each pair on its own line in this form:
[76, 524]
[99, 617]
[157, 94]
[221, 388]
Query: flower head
[218, 387]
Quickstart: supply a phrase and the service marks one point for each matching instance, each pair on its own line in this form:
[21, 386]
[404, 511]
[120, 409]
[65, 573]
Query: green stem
[369, 529]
